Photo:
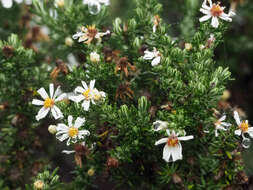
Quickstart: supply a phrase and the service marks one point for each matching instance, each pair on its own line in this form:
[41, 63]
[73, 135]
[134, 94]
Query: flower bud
[91, 172]
[68, 41]
[188, 46]
[94, 57]
[38, 184]
[59, 3]
[226, 95]
[52, 129]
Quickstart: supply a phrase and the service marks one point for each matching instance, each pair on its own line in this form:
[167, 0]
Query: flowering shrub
[128, 86]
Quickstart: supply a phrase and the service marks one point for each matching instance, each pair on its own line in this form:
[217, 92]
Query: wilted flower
[214, 11]
[88, 34]
[122, 65]
[172, 150]
[154, 55]
[71, 132]
[210, 41]
[220, 125]
[156, 21]
[124, 90]
[49, 102]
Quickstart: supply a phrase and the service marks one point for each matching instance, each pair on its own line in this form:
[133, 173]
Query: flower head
[8, 3]
[221, 125]
[154, 55]
[243, 126]
[123, 64]
[87, 95]
[172, 150]
[71, 132]
[214, 11]
[48, 102]
[38, 184]
[88, 34]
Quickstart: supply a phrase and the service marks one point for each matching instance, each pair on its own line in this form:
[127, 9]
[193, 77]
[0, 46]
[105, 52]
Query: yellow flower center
[48, 103]
[216, 10]
[172, 141]
[86, 93]
[217, 123]
[73, 131]
[244, 126]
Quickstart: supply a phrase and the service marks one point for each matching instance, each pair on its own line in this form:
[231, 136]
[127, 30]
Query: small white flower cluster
[71, 131]
[172, 150]
[154, 55]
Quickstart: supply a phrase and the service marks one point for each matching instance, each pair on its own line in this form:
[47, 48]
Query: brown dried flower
[8, 51]
[122, 65]
[124, 91]
[60, 67]
[112, 163]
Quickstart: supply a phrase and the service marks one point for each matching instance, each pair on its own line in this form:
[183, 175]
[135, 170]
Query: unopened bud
[68, 41]
[91, 172]
[52, 129]
[94, 57]
[38, 184]
[188, 46]
[226, 95]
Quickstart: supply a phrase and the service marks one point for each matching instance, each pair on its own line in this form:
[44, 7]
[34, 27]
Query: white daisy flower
[86, 94]
[154, 55]
[221, 125]
[214, 11]
[88, 34]
[98, 96]
[159, 125]
[71, 132]
[172, 150]
[243, 126]
[49, 102]
[8, 3]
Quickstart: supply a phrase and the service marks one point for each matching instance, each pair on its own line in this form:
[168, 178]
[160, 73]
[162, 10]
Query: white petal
[70, 121]
[80, 89]
[58, 113]
[68, 142]
[205, 18]
[51, 90]
[159, 125]
[176, 152]
[61, 97]
[62, 127]
[68, 151]
[154, 28]
[156, 61]
[57, 92]
[84, 85]
[42, 113]
[77, 99]
[84, 132]
[161, 141]
[185, 138]
[86, 105]
[168, 132]
[226, 17]
[167, 153]
[222, 118]
[43, 93]
[7, 3]
[77, 35]
[216, 132]
[148, 55]
[37, 102]
[92, 84]
[79, 122]
[238, 132]
[86, 1]
[250, 131]
[205, 11]
[237, 118]
[62, 137]
[215, 22]
[226, 124]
